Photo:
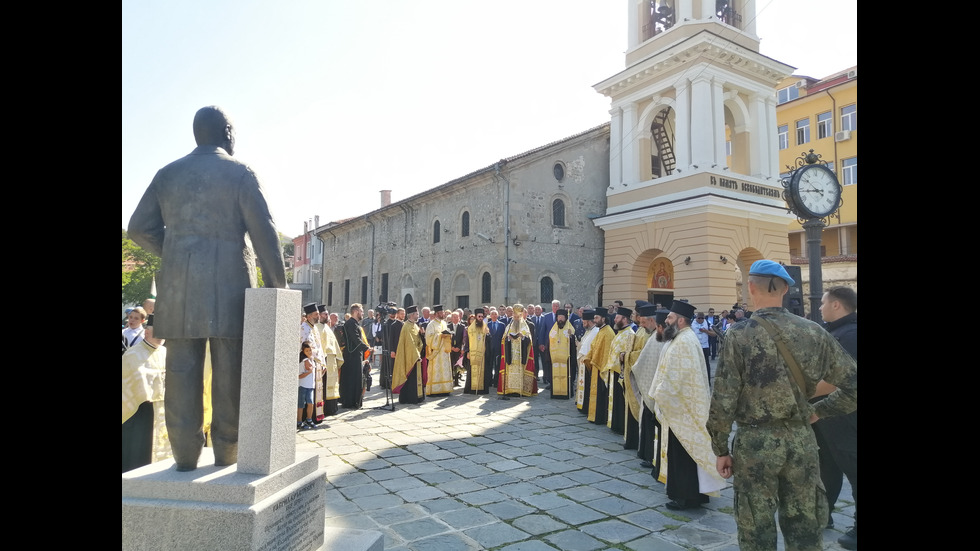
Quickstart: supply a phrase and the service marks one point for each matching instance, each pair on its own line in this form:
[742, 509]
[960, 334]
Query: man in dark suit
[497, 329]
[545, 323]
[195, 216]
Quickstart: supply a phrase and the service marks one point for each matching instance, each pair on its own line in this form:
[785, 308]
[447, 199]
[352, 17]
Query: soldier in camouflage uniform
[774, 454]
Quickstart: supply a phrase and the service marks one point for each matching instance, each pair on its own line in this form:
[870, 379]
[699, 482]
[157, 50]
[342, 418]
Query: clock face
[817, 190]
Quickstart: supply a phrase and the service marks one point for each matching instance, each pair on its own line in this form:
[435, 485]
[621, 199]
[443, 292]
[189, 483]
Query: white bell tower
[693, 145]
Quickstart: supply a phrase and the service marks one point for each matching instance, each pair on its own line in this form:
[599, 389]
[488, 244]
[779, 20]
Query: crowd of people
[786, 383]
[644, 372]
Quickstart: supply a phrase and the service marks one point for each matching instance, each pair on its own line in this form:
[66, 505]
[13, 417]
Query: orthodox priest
[438, 343]
[613, 371]
[594, 361]
[561, 348]
[518, 373]
[642, 374]
[634, 402]
[406, 378]
[333, 358]
[475, 347]
[681, 400]
[583, 383]
[356, 350]
[309, 334]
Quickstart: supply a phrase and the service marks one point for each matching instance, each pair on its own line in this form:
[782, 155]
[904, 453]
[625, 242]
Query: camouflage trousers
[775, 467]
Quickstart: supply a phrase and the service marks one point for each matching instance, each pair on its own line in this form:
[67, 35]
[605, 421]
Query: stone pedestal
[221, 508]
[273, 499]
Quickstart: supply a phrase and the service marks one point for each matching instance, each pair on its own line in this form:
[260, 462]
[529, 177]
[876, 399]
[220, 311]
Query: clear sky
[336, 100]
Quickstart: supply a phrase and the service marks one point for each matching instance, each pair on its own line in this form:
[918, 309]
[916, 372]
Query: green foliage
[136, 282]
[287, 244]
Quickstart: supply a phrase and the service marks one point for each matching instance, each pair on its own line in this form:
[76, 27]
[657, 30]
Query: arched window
[547, 290]
[485, 294]
[465, 225]
[435, 290]
[435, 232]
[408, 301]
[558, 213]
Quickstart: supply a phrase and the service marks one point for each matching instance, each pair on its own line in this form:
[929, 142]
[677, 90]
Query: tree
[138, 268]
[287, 244]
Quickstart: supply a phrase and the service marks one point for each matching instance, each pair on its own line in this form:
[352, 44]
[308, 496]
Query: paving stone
[530, 473]
[363, 490]
[444, 542]
[386, 474]
[618, 487]
[495, 534]
[721, 522]
[394, 515]
[583, 493]
[482, 497]
[614, 531]
[404, 483]
[538, 524]
[613, 506]
[419, 528]
[586, 476]
[519, 490]
[506, 510]
[574, 540]
[546, 501]
[466, 518]
[562, 455]
[650, 519]
[379, 501]
[414, 495]
[439, 477]
[589, 461]
[575, 514]
[341, 507]
[486, 458]
[506, 465]
[405, 459]
[352, 479]
[462, 486]
[497, 479]
[442, 504]
[653, 542]
[691, 534]
[420, 468]
[533, 545]
[555, 482]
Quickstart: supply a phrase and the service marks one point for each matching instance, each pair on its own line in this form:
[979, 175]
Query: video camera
[386, 308]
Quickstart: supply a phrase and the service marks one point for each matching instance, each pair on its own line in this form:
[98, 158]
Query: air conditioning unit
[842, 136]
[852, 73]
[801, 83]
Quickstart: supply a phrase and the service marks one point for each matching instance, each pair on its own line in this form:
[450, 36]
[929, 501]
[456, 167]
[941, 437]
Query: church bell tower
[694, 176]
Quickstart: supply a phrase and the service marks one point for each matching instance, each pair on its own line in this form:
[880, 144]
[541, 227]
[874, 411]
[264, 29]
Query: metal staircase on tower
[661, 137]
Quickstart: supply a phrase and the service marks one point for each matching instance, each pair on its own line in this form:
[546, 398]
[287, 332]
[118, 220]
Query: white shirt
[702, 337]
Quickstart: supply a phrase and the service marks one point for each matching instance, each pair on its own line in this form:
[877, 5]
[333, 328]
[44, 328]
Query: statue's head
[213, 127]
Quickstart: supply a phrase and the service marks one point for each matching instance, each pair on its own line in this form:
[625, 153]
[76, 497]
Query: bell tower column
[701, 123]
[615, 147]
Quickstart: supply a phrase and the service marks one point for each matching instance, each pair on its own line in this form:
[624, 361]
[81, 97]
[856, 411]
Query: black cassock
[351, 376]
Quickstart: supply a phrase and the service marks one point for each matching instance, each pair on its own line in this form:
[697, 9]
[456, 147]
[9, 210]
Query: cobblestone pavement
[525, 474]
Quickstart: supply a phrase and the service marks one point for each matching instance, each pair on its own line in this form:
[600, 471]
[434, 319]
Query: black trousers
[837, 438]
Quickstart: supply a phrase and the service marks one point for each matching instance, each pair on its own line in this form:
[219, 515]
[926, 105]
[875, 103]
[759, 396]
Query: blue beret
[770, 268]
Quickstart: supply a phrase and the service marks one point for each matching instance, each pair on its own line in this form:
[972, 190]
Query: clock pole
[814, 236]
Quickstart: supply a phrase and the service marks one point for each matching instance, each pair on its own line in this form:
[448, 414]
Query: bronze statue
[195, 215]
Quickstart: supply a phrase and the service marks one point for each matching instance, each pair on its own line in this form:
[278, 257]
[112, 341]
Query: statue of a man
[195, 215]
